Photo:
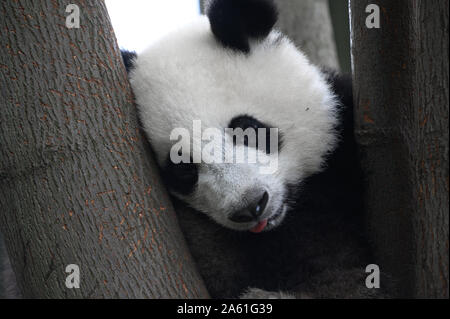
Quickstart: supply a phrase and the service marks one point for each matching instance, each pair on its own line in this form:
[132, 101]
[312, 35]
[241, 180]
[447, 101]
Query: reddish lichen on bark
[76, 172]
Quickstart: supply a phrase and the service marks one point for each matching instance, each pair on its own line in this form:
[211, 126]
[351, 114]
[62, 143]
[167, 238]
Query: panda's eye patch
[181, 177]
[245, 122]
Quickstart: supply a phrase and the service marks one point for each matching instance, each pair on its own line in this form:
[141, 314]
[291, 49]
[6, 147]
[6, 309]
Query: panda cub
[294, 232]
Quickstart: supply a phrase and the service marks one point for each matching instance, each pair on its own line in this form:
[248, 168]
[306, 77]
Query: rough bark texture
[77, 181]
[308, 24]
[8, 283]
[401, 84]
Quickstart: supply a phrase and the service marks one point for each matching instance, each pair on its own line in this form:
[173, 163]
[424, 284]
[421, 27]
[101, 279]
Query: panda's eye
[181, 178]
[248, 122]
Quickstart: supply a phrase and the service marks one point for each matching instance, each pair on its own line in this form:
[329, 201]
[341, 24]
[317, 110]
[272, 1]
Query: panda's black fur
[320, 250]
[234, 22]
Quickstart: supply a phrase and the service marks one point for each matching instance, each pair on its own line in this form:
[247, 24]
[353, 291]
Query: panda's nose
[251, 212]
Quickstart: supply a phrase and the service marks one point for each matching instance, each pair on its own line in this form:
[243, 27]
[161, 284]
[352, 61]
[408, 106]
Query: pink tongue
[260, 227]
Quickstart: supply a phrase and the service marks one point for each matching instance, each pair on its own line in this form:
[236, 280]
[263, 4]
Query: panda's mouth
[268, 224]
[259, 227]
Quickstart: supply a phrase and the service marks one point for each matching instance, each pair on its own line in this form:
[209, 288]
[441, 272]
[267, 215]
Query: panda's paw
[255, 293]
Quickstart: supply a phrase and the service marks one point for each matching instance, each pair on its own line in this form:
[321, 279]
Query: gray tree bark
[339, 11]
[401, 85]
[203, 5]
[8, 283]
[78, 184]
[308, 24]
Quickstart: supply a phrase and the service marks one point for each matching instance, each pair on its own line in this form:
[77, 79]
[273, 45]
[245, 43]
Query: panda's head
[232, 70]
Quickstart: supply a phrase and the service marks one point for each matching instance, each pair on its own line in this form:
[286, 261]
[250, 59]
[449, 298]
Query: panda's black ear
[235, 22]
[128, 59]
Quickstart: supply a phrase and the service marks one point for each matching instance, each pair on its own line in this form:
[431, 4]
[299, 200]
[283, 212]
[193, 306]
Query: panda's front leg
[255, 293]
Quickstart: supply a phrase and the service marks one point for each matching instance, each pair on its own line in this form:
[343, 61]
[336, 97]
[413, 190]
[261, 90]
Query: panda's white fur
[189, 75]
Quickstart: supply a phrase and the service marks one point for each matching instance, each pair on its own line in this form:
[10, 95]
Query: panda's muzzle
[253, 211]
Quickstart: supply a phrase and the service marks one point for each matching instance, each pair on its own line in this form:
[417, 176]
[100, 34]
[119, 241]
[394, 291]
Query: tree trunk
[202, 5]
[308, 24]
[8, 284]
[341, 28]
[78, 184]
[401, 85]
